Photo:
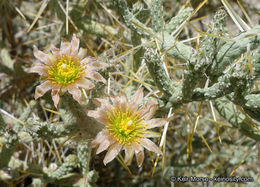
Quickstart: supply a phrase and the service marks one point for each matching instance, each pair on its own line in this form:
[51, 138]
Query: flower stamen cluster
[126, 126]
[65, 69]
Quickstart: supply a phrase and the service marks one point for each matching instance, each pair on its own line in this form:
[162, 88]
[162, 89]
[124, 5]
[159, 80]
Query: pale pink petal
[42, 89]
[93, 113]
[74, 45]
[84, 83]
[129, 153]
[123, 101]
[103, 146]
[139, 153]
[137, 147]
[116, 101]
[95, 65]
[55, 96]
[150, 113]
[120, 101]
[156, 122]
[102, 102]
[45, 58]
[149, 145]
[148, 110]
[88, 60]
[95, 76]
[100, 137]
[39, 68]
[139, 158]
[82, 53]
[75, 92]
[99, 115]
[112, 153]
[54, 50]
[65, 48]
[136, 99]
[151, 134]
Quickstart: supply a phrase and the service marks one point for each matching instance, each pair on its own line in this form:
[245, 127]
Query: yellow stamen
[65, 69]
[126, 126]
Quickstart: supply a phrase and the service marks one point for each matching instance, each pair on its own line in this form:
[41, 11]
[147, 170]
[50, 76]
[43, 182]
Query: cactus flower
[66, 69]
[127, 127]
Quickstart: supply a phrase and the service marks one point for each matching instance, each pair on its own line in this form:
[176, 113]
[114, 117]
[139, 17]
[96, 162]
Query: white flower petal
[149, 145]
[123, 101]
[100, 137]
[39, 68]
[103, 146]
[75, 92]
[45, 58]
[139, 158]
[42, 89]
[65, 48]
[120, 101]
[137, 147]
[84, 83]
[129, 153]
[156, 122]
[95, 65]
[104, 103]
[116, 101]
[74, 45]
[88, 60]
[99, 115]
[54, 50]
[55, 96]
[151, 134]
[95, 76]
[139, 153]
[112, 153]
[82, 53]
[148, 110]
[136, 99]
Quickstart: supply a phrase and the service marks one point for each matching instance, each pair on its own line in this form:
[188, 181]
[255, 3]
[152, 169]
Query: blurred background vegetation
[217, 149]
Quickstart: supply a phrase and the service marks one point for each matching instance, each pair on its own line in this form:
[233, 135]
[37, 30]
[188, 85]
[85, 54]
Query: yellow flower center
[126, 126]
[65, 69]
